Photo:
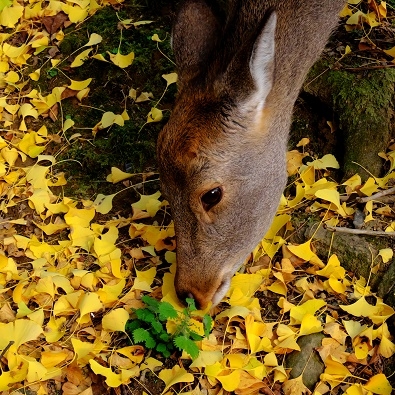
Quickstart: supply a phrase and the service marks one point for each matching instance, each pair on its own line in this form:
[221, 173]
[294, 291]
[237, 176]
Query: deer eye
[211, 198]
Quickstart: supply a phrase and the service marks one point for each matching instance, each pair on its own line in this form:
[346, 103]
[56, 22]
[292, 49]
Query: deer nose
[201, 301]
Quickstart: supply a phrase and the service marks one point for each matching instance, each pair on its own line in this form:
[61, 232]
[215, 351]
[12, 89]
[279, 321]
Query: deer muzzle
[203, 290]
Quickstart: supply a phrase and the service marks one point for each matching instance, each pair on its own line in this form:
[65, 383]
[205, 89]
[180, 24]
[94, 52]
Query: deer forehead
[188, 135]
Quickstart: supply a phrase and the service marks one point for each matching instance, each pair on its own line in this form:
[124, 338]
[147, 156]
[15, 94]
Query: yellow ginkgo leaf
[332, 268]
[19, 332]
[386, 347]
[353, 182]
[355, 389]
[144, 279]
[125, 115]
[280, 374]
[369, 187]
[309, 325]
[174, 376]
[82, 94]
[54, 330]
[379, 384]
[231, 381]
[295, 387]
[288, 343]
[100, 57]
[81, 217]
[35, 75]
[79, 85]
[81, 58]
[120, 60]
[336, 369]
[14, 376]
[110, 293]
[302, 251]
[294, 161]
[10, 15]
[170, 78]
[118, 175]
[278, 287]
[10, 155]
[68, 123]
[386, 254]
[155, 115]
[50, 229]
[329, 195]
[337, 284]
[103, 203]
[234, 311]
[390, 52]
[303, 142]
[115, 320]
[94, 39]
[89, 303]
[353, 328]
[309, 307]
[83, 349]
[82, 237]
[284, 331]
[49, 359]
[278, 223]
[369, 211]
[270, 359]
[149, 203]
[206, 358]
[112, 379]
[28, 145]
[12, 108]
[144, 96]
[323, 163]
[76, 13]
[361, 351]
[356, 18]
[156, 38]
[361, 308]
[151, 364]
[4, 66]
[27, 110]
[39, 40]
[134, 353]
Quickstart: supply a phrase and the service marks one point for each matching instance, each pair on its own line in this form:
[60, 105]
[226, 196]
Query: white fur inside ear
[262, 61]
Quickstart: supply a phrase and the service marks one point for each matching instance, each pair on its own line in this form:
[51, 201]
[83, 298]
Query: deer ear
[194, 37]
[262, 60]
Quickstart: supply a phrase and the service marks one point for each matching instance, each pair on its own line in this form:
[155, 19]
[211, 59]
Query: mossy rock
[356, 253]
[364, 105]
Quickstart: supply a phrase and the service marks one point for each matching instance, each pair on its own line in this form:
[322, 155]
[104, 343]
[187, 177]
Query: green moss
[87, 159]
[364, 94]
[362, 101]
[130, 147]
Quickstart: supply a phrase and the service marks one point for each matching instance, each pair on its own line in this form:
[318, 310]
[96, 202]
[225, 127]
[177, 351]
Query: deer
[222, 154]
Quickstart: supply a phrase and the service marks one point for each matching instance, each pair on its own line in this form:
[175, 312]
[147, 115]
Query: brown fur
[229, 129]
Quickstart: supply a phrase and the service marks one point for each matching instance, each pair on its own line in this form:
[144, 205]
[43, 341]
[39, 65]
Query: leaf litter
[69, 281]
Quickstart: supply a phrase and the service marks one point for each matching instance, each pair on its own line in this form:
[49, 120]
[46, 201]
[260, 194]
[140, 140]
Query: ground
[85, 233]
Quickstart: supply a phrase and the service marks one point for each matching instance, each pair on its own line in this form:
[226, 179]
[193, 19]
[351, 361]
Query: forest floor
[85, 87]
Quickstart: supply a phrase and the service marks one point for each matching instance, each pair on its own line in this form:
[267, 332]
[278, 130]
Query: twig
[376, 196]
[10, 343]
[387, 66]
[341, 229]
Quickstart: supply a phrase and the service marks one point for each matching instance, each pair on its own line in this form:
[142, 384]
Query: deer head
[222, 154]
